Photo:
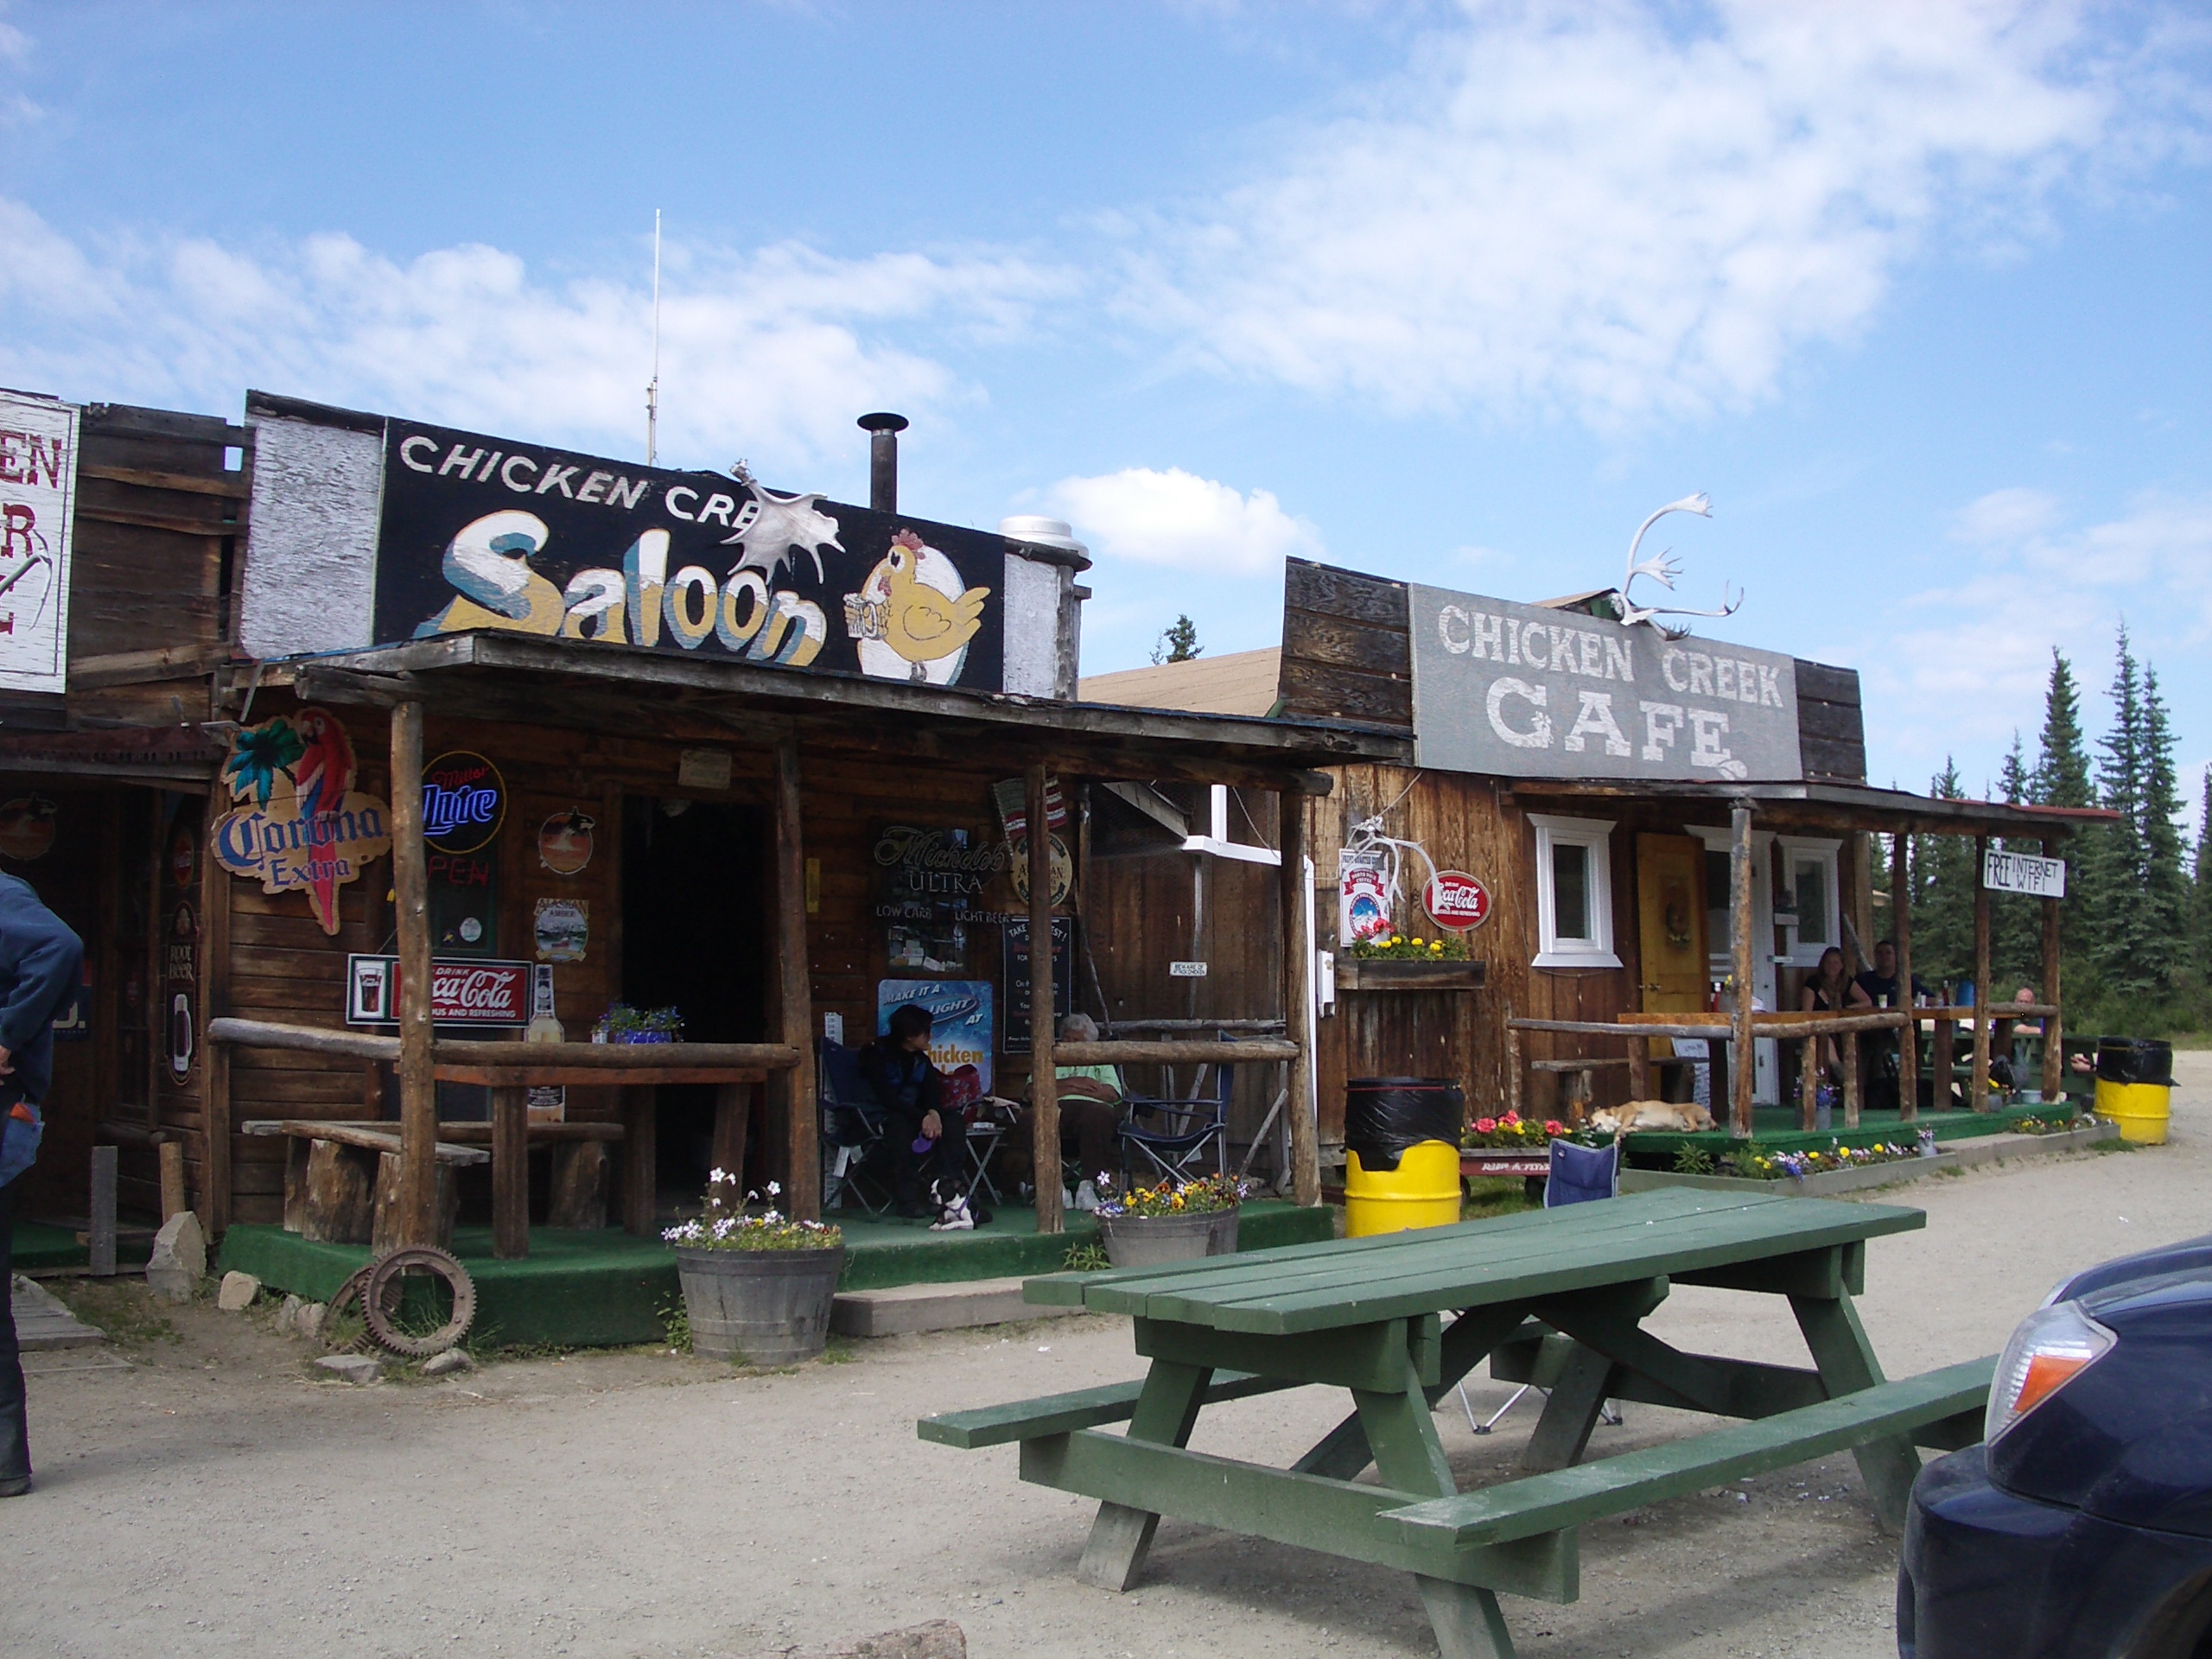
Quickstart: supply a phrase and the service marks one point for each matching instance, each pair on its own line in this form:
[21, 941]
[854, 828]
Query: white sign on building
[38, 489]
[2039, 878]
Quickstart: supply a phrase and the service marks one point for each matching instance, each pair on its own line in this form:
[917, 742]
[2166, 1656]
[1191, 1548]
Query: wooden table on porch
[1398, 1320]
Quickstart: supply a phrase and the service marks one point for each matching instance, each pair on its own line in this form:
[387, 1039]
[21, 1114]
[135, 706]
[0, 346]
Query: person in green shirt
[1091, 1101]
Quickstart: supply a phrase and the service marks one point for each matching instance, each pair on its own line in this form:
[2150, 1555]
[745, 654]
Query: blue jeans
[14, 1431]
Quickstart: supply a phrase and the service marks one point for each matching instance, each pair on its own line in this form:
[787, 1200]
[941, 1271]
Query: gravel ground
[209, 1497]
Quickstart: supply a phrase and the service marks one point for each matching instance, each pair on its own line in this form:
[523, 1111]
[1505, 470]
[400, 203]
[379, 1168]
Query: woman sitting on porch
[1832, 990]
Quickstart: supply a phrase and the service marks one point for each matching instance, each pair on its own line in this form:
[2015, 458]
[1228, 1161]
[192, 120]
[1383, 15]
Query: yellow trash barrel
[1423, 1190]
[1401, 1153]
[2135, 1086]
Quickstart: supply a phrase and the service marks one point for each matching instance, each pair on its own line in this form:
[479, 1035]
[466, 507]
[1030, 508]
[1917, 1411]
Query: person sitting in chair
[1091, 1099]
[928, 1139]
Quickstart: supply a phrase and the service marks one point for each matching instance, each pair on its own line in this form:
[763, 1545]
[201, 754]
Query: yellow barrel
[1423, 1190]
[2140, 1109]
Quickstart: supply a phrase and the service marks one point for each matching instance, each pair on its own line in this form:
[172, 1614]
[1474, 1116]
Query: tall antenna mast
[653, 387]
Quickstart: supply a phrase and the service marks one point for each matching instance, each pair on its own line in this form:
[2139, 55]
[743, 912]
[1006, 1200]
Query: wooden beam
[1985, 993]
[2054, 1062]
[215, 970]
[509, 1173]
[795, 994]
[1739, 910]
[640, 1158]
[1174, 1052]
[1044, 1081]
[1901, 931]
[1298, 999]
[419, 1088]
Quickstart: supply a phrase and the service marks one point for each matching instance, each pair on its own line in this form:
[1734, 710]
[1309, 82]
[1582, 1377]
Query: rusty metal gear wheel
[347, 1294]
[380, 1298]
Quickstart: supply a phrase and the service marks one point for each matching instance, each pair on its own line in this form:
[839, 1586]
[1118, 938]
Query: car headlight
[2053, 1346]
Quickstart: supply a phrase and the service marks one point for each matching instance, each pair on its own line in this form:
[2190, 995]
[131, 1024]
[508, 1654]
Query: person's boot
[15, 1487]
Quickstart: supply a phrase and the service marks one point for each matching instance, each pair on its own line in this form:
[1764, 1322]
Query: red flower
[1485, 1125]
[1512, 1120]
[1553, 1126]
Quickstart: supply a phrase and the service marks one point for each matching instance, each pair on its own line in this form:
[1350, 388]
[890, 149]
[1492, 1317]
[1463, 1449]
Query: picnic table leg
[1467, 1620]
[1578, 1398]
[1342, 1453]
[1166, 1413]
[1847, 1363]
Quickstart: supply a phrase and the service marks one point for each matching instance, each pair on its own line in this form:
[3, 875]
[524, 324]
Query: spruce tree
[2015, 920]
[2124, 950]
[2165, 879]
[2061, 773]
[1943, 879]
[2204, 894]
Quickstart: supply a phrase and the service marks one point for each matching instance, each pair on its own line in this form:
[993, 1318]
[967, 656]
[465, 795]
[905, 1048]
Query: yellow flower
[1418, 940]
[1437, 946]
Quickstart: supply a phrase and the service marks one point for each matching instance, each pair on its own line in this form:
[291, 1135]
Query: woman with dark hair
[928, 1142]
[1832, 990]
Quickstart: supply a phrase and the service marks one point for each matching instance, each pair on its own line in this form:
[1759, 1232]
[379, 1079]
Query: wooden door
[1670, 916]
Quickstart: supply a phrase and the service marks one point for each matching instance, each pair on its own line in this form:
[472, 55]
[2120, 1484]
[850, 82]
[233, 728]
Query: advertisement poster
[562, 929]
[480, 532]
[300, 826]
[38, 487]
[1018, 976]
[461, 992]
[962, 1009]
[1363, 897]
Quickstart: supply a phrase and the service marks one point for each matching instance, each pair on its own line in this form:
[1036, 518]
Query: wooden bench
[341, 1181]
[577, 1198]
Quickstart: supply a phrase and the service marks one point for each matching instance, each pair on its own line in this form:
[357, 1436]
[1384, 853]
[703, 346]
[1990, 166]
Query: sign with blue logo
[961, 1011]
[464, 802]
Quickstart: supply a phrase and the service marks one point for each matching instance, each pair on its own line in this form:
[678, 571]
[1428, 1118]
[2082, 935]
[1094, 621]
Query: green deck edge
[606, 1289]
[40, 1246]
[1774, 1128]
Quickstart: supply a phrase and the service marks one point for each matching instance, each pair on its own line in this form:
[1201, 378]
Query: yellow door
[1670, 910]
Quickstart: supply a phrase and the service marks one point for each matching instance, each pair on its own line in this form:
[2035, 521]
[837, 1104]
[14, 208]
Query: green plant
[1512, 1130]
[1692, 1160]
[1192, 1197]
[622, 1022]
[675, 1325]
[126, 1312]
[1396, 947]
[1087, 1257]
[727, 1225]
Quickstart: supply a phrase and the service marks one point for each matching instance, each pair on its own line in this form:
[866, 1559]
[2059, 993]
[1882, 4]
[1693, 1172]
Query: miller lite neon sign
[464, 802]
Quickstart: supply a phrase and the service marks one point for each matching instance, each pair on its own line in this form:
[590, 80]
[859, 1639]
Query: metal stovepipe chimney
[883, 429]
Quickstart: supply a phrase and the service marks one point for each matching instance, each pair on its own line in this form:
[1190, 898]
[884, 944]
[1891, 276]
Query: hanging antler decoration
[1663, 570]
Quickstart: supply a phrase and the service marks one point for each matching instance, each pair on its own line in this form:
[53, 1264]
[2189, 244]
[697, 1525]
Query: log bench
[341, 1181]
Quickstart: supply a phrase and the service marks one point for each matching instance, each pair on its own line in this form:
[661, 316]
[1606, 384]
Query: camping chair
[1177, 1148]
[1579, 1175]
[853, 1152]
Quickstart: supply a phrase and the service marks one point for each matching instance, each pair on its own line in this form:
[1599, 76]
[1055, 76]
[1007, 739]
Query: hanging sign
[38, 485]
[302, 826]
[1061, 866]
[461, 992]
[2040, 878]
[1455, 901]
[564, 841]
[1363, 897]
[562, 929]
[464, 802]
[27, 827]
[960, 1009]
[1018, 984]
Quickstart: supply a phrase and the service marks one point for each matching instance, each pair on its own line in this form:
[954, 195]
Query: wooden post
[1851, 1099]
[1984, 1000]
[1639, 1068]
[732, 1106]
[640, 1158]
[1808, 1081]
[795, 995]
[1044, 1081]
[1512, 1064]
[1744, 1067]
[2054, 1062]
[171, 1153]
[1298, 999]
[510, 1172]
[1901, 929]
[100, 1235]
[418, 1090]
[215, 968]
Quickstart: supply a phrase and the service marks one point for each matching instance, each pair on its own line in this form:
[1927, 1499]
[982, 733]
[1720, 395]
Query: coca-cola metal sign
[461, 992]
[1456, 901]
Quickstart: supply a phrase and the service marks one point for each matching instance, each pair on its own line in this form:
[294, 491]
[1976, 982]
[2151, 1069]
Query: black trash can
[1401, 1153]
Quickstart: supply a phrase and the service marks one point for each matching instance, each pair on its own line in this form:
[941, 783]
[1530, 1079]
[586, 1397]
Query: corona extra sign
[300, 825]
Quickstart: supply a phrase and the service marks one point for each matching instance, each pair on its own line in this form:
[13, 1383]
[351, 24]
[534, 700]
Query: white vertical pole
[653, 388]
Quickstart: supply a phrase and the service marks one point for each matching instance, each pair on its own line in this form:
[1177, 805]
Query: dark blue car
[2082, 1525]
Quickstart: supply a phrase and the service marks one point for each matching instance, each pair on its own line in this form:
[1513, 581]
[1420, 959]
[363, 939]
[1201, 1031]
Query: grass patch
[1085, 1258]
[839, 1351]
[1495, 1195]
[126, 1312]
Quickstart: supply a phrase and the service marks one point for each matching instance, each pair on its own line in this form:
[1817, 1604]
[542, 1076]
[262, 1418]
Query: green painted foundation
[1775, 1129]
[608, 1289]
[40, 1246]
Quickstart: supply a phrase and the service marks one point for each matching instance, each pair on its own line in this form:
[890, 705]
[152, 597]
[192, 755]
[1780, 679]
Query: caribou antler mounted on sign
[1663, 570]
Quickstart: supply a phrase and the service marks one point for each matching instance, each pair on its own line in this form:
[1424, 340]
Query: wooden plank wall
[1831, 724]
[1347, 653]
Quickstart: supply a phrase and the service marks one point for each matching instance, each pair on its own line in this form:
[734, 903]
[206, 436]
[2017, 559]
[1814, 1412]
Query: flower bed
[1210, 1193]
[1757, 1163]
[1396, 947]
[727, 1225]
[2057, 1125]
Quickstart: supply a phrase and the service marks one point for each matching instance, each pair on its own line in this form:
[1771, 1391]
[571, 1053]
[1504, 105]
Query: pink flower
[1512, 1120]
[1485, 1125]
[1553, 1126]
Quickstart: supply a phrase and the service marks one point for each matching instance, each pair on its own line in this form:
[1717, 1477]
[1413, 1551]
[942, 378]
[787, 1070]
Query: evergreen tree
[2166, 877]
[2015, 920]
[1178, 644]
[2123, 946]
[2061, 773]
[2203, 895]
[1943, 880]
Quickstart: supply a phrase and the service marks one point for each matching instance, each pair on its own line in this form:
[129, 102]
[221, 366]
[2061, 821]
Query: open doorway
[694, 937]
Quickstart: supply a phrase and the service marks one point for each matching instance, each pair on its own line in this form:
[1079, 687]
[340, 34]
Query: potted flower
[756, 1286]
[1397, 962]
[1142, 1226]
[623, 1024]
[1508, 1145]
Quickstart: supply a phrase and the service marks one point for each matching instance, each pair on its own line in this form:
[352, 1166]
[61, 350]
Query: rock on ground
[938, 1639]
[179, 1261]
[236, 1292]
[308, 1320]
[288, 1316]
[445, 1364]
[351, 1367]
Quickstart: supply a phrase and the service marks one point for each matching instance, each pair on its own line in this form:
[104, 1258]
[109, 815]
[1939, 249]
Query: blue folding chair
[1177, 1148]
[853, 1150]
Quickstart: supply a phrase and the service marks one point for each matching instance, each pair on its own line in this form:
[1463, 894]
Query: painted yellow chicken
[920, 623]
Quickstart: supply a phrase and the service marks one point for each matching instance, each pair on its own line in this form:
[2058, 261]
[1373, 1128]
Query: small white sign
[1186, 970]
[2040, 878]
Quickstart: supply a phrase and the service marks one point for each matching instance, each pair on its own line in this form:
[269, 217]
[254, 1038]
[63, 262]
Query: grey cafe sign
[1521, 691]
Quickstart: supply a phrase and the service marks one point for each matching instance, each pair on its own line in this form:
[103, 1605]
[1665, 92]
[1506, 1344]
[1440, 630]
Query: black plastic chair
[1176, 1147]
[853, 1154]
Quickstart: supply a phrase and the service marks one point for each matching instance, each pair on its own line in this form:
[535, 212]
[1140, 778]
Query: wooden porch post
[1044, 1081]
[1745, 1063]
[2054, 1063]
[1298, 999]
[795, 995]
[1901, 929]
[1984, 999]
[410, 885]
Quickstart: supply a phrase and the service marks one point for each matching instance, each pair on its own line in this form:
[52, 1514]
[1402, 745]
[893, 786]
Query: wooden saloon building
[380, 744]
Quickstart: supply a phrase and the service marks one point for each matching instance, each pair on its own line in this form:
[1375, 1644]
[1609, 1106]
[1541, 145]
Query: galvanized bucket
[758, 1307]
[1148, 1241]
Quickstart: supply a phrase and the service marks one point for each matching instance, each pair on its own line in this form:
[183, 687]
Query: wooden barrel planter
[758, 1307]
[1148, 1241]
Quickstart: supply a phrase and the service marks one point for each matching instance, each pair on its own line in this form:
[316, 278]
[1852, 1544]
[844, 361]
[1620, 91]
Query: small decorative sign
[703, 769]
[1455, 901]
[2040, 878]
[464, 802]
[184, 856]
[302, 827]
[564, 841]
[1363, 897]
[562, 929]
[1061, 866]
[1186, 970]
[27, 827]
[1019, 986]
[461, 992]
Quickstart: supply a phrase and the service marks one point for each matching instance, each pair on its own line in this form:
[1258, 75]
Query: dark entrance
[694, 936]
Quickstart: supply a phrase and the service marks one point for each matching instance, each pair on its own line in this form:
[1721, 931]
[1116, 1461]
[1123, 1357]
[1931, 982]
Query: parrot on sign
[321, 777]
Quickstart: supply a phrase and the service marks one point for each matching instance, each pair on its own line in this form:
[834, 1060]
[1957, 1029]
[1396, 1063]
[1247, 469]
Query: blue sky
[1455, 292]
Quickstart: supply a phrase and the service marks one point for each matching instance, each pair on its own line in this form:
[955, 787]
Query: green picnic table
[1558, 1297]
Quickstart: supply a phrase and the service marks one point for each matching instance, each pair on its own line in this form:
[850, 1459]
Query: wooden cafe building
[377, 749]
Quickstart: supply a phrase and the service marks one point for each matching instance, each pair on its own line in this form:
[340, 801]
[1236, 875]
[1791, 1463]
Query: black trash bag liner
[1385, 1116]
[2135, 1059]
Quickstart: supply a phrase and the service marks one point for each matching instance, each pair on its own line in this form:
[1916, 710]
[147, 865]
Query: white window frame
[1794, 850]
[1596, 834]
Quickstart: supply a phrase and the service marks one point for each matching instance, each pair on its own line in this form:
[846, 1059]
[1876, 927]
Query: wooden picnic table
[1398, 1320]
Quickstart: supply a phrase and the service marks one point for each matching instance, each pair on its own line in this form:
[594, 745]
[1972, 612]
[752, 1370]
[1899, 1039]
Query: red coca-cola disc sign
[1456, 901]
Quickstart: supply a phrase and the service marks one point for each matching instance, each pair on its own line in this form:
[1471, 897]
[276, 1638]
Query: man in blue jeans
[40, 963]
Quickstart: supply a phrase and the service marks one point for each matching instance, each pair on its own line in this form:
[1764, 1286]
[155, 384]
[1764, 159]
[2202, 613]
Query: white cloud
[1177, 518]
[1609, 212]
[769, 355]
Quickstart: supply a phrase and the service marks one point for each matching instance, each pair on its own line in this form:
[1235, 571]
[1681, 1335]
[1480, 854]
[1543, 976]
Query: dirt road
[209, 1499]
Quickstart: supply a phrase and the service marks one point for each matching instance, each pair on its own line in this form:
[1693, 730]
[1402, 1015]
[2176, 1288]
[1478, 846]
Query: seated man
[1090, 1098]
[928, 1139]
[1884, 1084]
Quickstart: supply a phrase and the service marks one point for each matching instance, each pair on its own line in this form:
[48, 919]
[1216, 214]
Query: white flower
[774, 1191]
[717, 1176]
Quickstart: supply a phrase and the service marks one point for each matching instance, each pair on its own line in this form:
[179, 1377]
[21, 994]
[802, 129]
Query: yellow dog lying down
[1685, 1116]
